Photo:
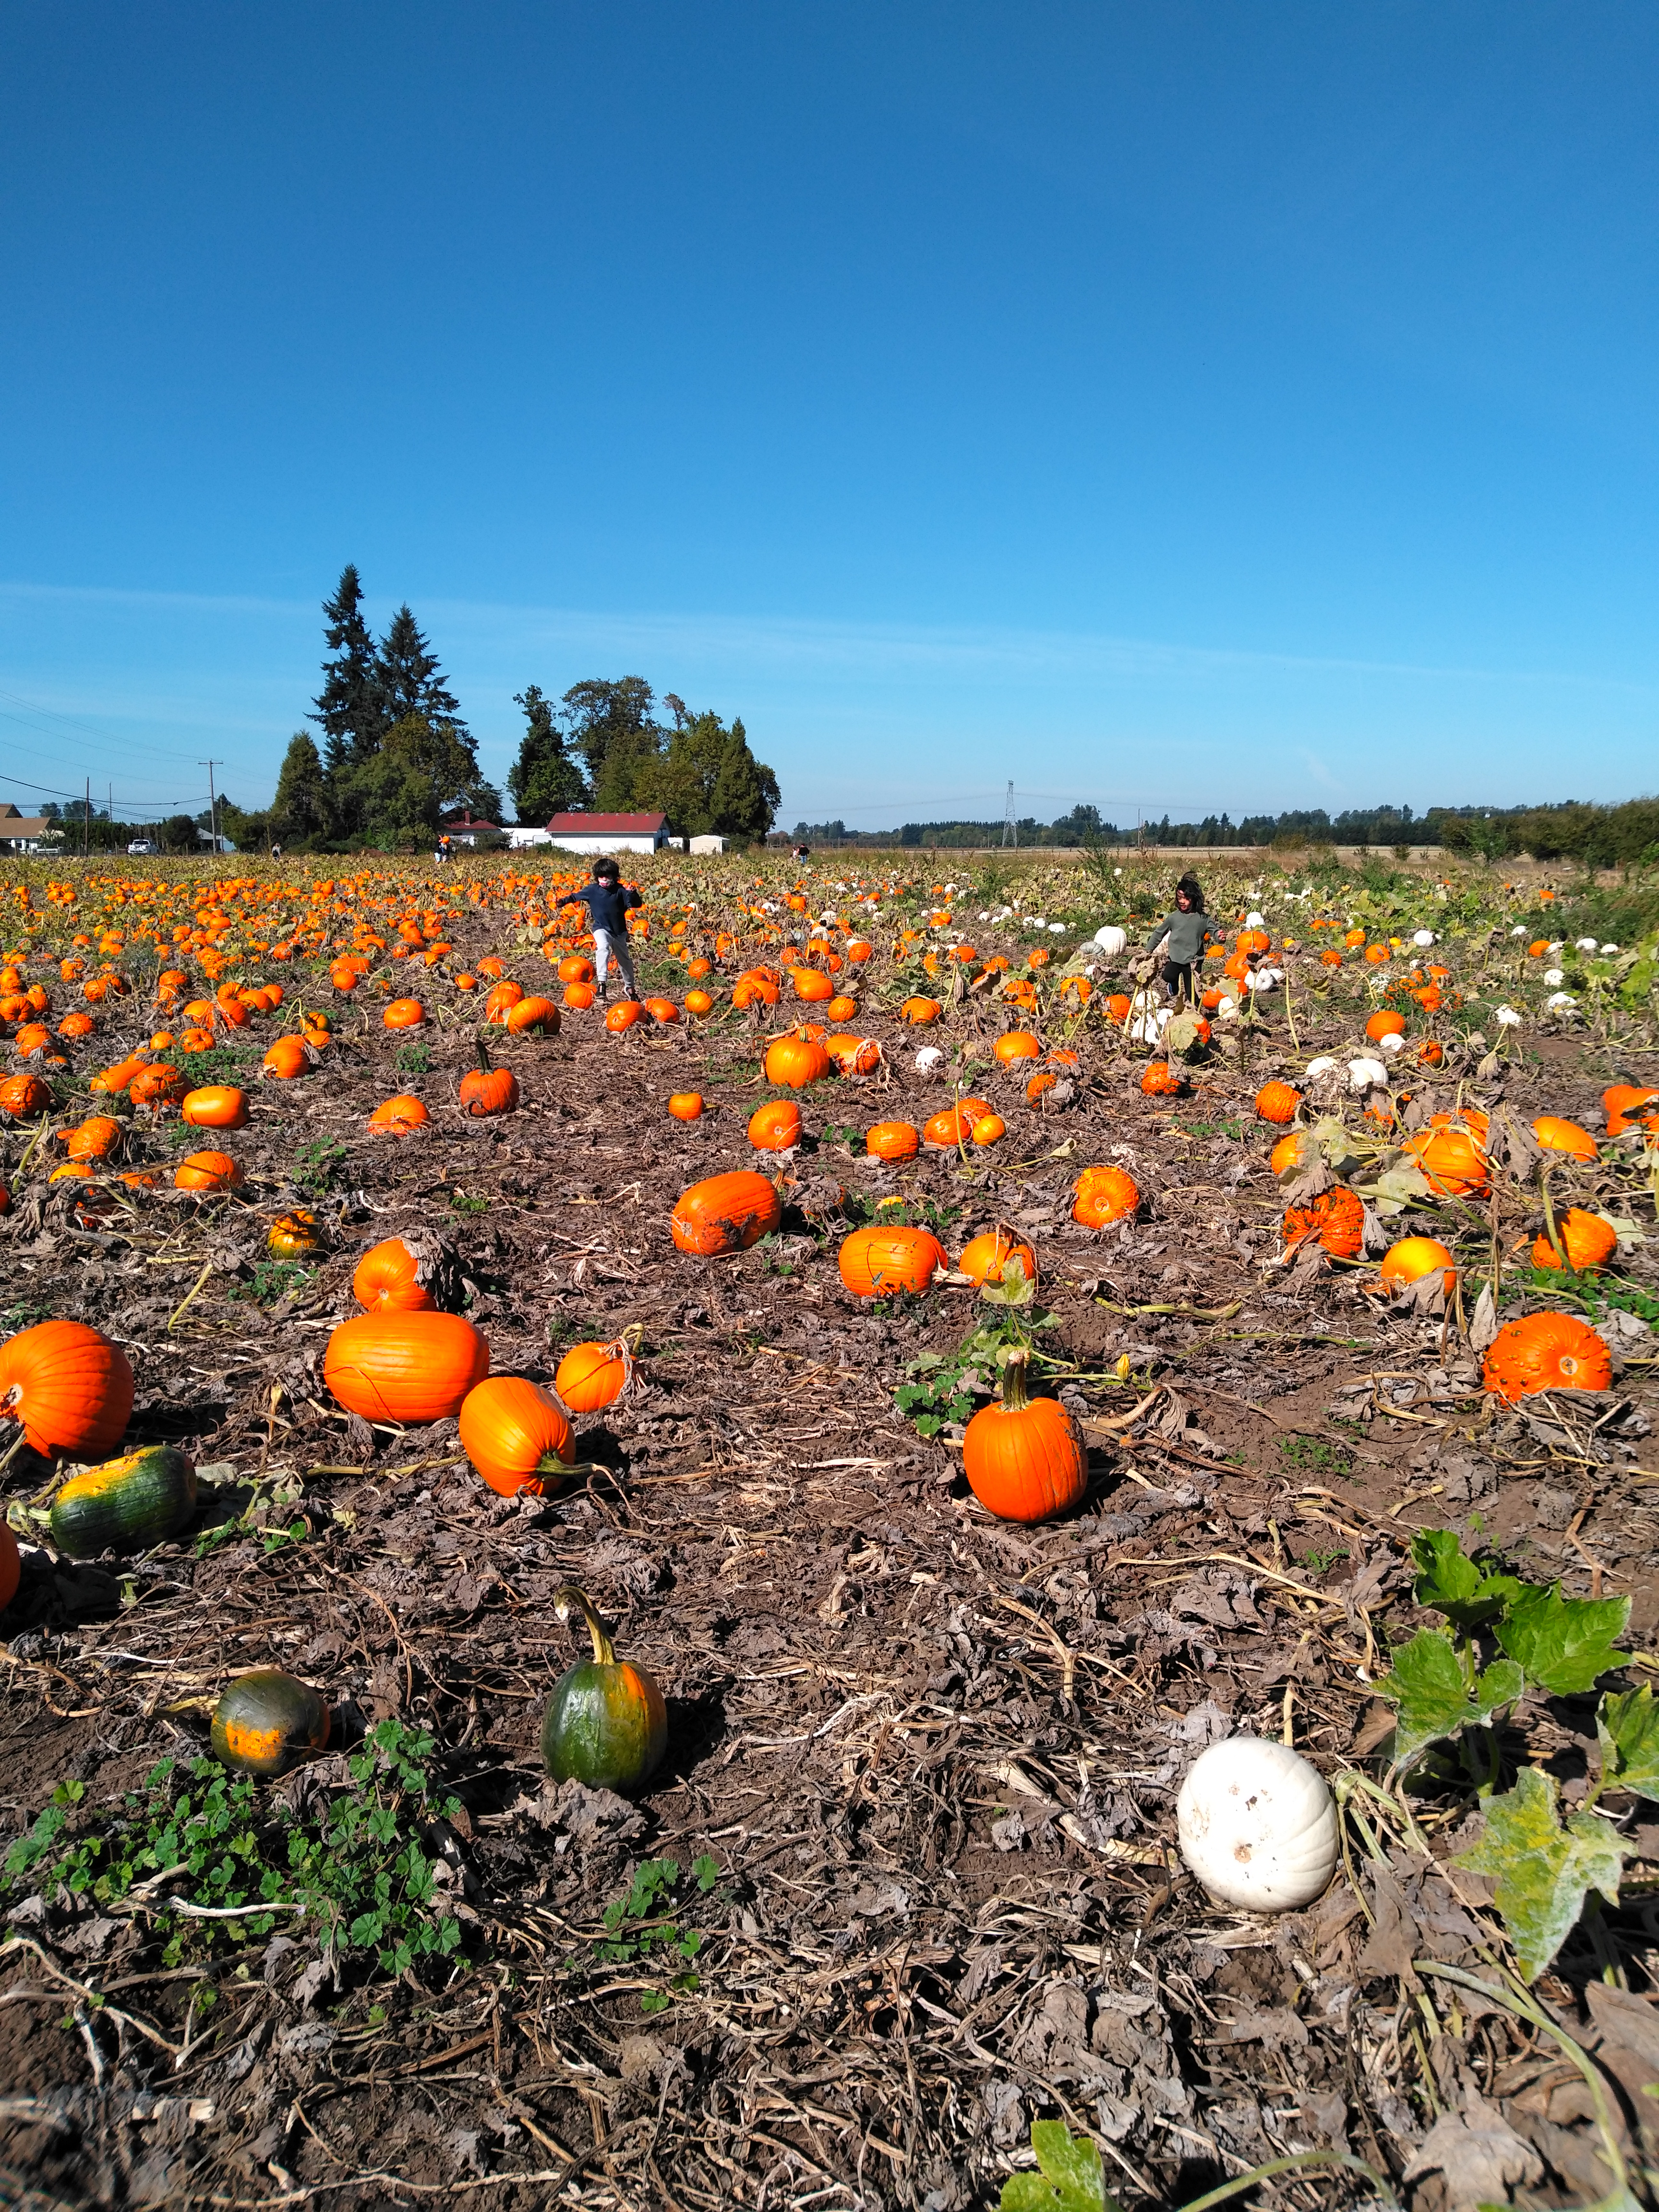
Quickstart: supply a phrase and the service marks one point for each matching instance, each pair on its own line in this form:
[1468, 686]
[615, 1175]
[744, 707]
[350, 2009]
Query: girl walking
[1188, 931]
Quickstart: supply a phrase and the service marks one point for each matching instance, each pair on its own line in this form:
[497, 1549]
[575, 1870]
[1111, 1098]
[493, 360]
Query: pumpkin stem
[1550, 1229]
[483, 1051]
[1012, 1389]
[569, 1600]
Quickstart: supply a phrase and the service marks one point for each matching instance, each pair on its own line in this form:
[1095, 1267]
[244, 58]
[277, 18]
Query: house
[709, 842]
[462, 829]
[609, 833]
[25, 833]
[519, 836]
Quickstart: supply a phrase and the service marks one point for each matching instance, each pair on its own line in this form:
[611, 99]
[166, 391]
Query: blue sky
[1171, 408]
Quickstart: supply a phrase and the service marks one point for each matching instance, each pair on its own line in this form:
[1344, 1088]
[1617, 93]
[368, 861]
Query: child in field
[608, 900]
[1188, 931]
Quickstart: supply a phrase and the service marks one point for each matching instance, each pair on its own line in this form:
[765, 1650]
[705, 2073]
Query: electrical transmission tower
[1010, 827]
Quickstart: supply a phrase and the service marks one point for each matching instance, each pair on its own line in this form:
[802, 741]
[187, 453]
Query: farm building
[609, 833]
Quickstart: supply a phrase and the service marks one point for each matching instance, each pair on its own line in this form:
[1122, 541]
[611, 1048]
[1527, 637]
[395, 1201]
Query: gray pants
[607, 948]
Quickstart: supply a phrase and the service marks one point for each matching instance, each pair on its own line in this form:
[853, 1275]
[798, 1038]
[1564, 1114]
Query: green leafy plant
[317, 1166]
[273, 1279]
[1313, 1455]
[1446, 1690]
[219, 1063]
[360, 1873]
[412, 1059]
[643, 1927]
[466, 1201]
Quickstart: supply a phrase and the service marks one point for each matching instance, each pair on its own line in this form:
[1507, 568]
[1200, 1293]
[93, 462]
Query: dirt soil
[934, 1756]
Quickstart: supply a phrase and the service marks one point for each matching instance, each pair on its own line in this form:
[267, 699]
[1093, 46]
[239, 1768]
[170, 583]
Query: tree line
[1622, 835]
[396, 760]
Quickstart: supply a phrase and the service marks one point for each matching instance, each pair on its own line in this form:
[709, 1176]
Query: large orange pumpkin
[1102, 1195]
[207, 1172]
[1277, 1101]
[1024, 1457]
[68, 1386]
[1408, 1259]
[405, 1367]
[1546, 1352]
[215, 1106]
[593, 1375]
[1558, 1135]
[515, 1436]
[725, 1213]
[398, 1117]
[1453, 1157]
[875, 1261]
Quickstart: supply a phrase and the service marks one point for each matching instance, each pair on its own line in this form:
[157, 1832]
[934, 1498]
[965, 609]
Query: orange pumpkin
[1557, 1135]
[945, 1131]
[532, 1013]
[1383, 1023]
[1620, 1101]
[725, 1213]
[579, 996]
[989, 1257]
[215, 1106]
[388, 1279]
[1453, 1158]
[1546, 1352]
[1410, 1258]
[876, 1261]
[576, 968]
[795, 1059]
[686, 1105]
[25, 1094]
[398, 1117]
[287, 1059]
[403, 1014]
[1160, 1080]
[409, 1368]
[774, 1127]
[622, 1016]
[1583, 1241]
[989, 1128]
[920, 1011]
[892, 1140]
[699, 1003]
[852, 1054]
[1336, 1220]
[1293, 1154]
[1277, 1101]
[207, 1172]
[593, 1375]
[486, 1090]
[1102, 1195]
[97, 1139]
[1016, 1044]
[841, 1008]
[68, 1387]
[515, 1435]
[1024, 1457]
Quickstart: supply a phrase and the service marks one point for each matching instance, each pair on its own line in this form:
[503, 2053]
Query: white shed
[709, 843]
[609, 833]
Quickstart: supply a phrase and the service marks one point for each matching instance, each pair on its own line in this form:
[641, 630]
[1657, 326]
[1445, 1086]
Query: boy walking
[609, 901]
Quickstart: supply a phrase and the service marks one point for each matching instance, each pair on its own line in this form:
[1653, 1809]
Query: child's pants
[606, 949]
[1178, 981]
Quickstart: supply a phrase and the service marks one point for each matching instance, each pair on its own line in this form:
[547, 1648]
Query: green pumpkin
[267, 1722]
[126, 1505]
[606, 1724]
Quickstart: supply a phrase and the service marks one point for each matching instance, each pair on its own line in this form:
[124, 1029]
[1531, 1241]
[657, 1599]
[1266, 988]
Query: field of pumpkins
[742, 1595]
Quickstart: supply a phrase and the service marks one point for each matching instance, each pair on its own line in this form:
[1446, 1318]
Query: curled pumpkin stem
[570, 1600]
[1011, 1388]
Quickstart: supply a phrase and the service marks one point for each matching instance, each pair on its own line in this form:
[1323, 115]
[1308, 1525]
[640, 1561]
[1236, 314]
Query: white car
[140, 847]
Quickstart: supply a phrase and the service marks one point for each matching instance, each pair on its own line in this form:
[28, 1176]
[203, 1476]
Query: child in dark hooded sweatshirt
[1188, 931]
[608, 900]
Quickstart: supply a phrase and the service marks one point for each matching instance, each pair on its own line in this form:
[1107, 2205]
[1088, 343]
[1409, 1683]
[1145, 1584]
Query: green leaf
[1543, 1869]
[1434, 1699]
[1467, 1595]
[1629, 1729]
[1564, 1643]
[1070, 2180]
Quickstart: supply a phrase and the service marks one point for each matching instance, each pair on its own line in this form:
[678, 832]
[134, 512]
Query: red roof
[607, 825]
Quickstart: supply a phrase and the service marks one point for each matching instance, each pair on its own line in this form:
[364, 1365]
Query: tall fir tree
[301, 814]
[543, 780]
[351, 707]
[410, 680]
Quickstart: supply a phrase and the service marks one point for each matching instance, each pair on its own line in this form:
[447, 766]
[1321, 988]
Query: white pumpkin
[1391, 1044]
[928, 1058]
[1365, 1071]
[1257, 1825]
[1255, 922]
[1323, 1066]
[1422, 937]
[1112, 940]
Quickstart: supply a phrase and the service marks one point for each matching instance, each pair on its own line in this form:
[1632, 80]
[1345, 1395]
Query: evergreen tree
[543, 780]
[409, 679]
[423, 768]
[349, 706]
[746, 798]
[301, 814]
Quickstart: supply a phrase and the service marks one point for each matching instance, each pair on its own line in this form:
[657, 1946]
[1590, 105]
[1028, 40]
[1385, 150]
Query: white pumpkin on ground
[1258, 1825]
[1365, 1072]
[1112, 940]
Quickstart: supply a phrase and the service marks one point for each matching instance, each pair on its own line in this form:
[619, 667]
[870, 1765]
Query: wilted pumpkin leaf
[1543, 1869]
[1433, 1697]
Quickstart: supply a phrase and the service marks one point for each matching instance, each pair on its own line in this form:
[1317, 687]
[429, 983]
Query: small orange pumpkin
[686, 1105]
[1408, 1259]
[775, 1127]
[875, 1261]
[207, 1172]
[403, 1014]
[593, 1375]
[795, 1059]
[515, 1435]
[989, 1257]
[892, 1140]
[1583, 1241]
[1102, 1195]
[1160, 1080]
[1024, 1457]
[1335, 1220]
[388, 1279]
[1277, 1101]
[398, 1117]
[1557, 1135]
[215, 1106]
[725, 1213]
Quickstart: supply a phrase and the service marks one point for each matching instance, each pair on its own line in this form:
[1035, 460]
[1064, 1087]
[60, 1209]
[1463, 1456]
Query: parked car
[141, 846]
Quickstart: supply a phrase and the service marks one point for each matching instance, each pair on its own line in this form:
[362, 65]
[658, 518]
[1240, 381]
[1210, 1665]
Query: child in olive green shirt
[1188, 931]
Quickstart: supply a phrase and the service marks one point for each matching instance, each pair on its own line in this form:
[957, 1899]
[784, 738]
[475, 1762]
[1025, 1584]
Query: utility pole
[85, 823]
[1010, 827]
[213, 804]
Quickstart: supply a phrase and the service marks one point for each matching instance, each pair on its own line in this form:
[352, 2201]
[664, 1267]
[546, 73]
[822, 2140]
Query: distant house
[710, 841]
[25, 833]
[519, 834]
[609, 833]
[462, 828]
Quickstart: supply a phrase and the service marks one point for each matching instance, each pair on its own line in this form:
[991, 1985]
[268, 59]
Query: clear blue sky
[1174, 407]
